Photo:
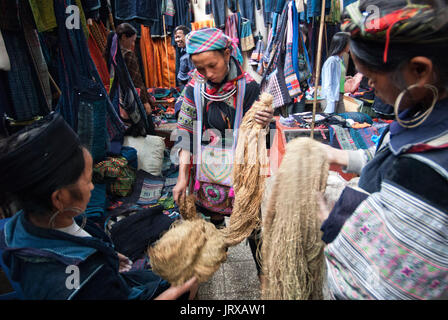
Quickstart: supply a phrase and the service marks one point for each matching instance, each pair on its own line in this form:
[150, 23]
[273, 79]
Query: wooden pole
[319, 57]
[111, 21]
[166, 50]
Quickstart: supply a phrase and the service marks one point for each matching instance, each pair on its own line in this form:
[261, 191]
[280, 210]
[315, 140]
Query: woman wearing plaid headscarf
[389, 238]
[223, 92]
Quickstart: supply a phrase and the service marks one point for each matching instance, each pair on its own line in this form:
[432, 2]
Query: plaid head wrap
[210, 39]
[405, 24]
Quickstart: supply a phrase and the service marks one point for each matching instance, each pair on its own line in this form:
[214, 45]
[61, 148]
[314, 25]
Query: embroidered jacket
[395, 243]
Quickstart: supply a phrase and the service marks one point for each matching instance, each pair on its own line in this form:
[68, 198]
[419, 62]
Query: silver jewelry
[423, 116]
[217, 98]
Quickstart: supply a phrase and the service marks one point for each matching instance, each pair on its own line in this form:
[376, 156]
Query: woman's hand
[173, 293]
[324, 210]
[264, 117]
[336, 156]
[125, 263]
[148, 108]
[179, 189]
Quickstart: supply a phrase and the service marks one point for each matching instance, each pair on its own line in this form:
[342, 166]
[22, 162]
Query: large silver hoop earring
[51, 221]
[83, 224]
[419, 119]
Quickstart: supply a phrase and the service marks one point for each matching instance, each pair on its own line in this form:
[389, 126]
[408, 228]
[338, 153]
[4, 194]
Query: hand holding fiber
[189, 249]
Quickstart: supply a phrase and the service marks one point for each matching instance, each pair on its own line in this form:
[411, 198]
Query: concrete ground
[236, 279]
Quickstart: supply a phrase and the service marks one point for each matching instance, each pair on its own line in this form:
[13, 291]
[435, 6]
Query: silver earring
[51, 221]
[420, 118]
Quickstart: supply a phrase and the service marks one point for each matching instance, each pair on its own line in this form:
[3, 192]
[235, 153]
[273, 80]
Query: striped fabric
[292, 82]
[206, 40]
[209, 39]
[394, 246]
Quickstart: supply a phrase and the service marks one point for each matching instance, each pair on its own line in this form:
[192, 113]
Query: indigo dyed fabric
[96, 207]
[22, 84]
[137, 9]
[133, 234]
[78, 74]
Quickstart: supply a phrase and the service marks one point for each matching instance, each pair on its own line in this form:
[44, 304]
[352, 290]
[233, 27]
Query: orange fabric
[158, 74]
[358, 125]
[202, 24]
[98, 59]
[278, 149]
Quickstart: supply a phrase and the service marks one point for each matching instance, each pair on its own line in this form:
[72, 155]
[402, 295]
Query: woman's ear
[227, 54]
[421, 71]
[57, 199]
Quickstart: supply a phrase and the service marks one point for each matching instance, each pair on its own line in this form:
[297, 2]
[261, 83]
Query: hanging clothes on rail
[218, 9]
[144, 10]
[97, 46]
[159, 73]
[84, 102]
[28, 76]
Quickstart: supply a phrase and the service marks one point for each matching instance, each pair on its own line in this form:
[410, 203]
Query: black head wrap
[380, 36]
[30, 155]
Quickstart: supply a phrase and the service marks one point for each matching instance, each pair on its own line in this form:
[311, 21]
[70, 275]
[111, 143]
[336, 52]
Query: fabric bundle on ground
[133, 234]
[292, 249]
[116, 172]
[251, 166]
[189, 249]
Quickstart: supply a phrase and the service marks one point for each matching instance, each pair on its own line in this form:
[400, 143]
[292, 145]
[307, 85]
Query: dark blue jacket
[415, 160]
[41, 259]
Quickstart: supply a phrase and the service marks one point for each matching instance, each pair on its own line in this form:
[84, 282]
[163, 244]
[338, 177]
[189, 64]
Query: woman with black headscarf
[388, 239]
[49, 252]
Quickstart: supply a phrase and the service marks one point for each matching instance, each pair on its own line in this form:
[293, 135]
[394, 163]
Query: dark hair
[338, 43]
[184, 29]
[428, 43]
[126, 29]
[36, 199]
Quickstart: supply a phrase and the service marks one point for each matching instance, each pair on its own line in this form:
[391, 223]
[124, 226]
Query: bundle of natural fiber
[292, 249]
[187, 207]
[250, 168]
[189, 249]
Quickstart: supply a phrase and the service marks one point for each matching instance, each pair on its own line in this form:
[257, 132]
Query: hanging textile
[334, 16]
[314, 8]
[145, 10]
[257, 54]
[24, 91]
[291, 79]
[184, 13]
[97, 45]
[218, 9]
[124, 92]
[159, 73]
[84, 102]
[202, 24]
[5, 64]
[43, 12]
[247, 38]
[6, 106]
[247, 10]
[40, 65]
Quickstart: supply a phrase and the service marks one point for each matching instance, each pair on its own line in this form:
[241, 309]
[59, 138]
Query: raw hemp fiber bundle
[292, 249]
[250, 168]
[191, 248]
[187, 207]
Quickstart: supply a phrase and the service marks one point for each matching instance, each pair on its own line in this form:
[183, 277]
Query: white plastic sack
[150, 152]
[4, 58]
